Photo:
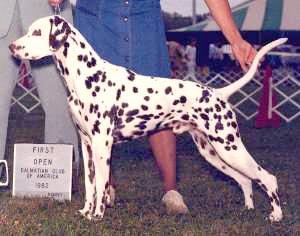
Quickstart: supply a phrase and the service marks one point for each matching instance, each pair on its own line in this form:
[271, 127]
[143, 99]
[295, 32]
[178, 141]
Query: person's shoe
[174, 203]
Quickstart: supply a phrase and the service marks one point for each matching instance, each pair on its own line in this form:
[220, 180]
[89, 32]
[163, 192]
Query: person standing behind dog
[130, 33]
[15, 18]
[190, 55]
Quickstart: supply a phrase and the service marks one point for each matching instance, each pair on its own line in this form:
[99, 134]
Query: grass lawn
[216, 202]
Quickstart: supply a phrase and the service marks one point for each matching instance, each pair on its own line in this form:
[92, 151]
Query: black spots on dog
[182, 99]
[216, 139]
[82, 45]
[144, 107]
[219, 126]
[180, 85]
[158, 107]
[176, 101]
[168, 90]
[222, 103]
[142, 125]
[230, 138]
[108, 131]
[206, 119]
[147, 98]
[129, 119]
[212, 152]
[37, 32]
[91, 63]
[112, 114]
[79, 57]
[108, 161]
[234, 124]
[85, 58]
[275, 197]
[93, 108]
[218, 108]
[204, 116]
[150, 90]
[120, 112]
[61, 67]
[109, 83]
[203, 143]
[135, 89]
[146, 117]
[205, 96]
[73, 39]
[124, 105]
[96, 127]
[66, 46]
[93, 79]
[78, 72]
[97, 89]
[131, 75]
[88, 83]
[229, 114]
[118, 94]
[132, 112]
[185, 117]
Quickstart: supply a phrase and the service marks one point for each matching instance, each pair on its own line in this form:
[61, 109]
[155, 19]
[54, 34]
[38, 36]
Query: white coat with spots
[111, 104]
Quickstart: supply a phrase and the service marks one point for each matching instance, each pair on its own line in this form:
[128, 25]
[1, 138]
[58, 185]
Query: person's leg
[59, 127]
[8, 77]
[163, 145]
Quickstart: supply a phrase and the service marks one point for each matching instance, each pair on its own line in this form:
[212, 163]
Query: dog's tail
[232, 88]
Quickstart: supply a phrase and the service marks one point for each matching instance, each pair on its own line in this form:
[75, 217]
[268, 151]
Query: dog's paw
[85, 213]
[97, 216]
[275, 217]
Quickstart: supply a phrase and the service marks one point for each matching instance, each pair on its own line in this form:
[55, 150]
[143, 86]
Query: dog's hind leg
[238, 158]
[210, 155]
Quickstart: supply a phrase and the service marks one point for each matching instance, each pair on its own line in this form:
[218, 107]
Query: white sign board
[43, 170]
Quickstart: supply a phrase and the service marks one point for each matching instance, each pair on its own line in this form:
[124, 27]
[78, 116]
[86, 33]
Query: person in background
[176, 55]
[15, 18]
[190, 55]
[131, 33]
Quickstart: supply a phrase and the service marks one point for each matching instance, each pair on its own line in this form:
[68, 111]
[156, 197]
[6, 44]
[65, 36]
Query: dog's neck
[76, 56]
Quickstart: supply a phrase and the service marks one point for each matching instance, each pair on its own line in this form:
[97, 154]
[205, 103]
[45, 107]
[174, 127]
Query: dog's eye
[37, 33]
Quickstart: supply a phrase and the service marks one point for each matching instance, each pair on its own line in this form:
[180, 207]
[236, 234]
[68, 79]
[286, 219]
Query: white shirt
[190, 53]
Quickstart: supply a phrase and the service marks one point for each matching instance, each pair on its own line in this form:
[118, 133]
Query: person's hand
[244, 53]
[55, 3]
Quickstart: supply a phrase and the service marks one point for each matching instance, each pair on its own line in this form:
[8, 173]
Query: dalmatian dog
[111, 104]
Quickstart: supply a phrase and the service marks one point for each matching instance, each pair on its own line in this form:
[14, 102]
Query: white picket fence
[285, 83]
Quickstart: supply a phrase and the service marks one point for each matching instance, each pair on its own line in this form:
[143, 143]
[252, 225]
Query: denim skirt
[129, 33]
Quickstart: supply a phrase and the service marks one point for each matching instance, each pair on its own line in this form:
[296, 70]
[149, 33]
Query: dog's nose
[12, 47]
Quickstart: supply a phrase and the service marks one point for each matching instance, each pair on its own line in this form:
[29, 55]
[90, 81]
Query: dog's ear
[59, 32]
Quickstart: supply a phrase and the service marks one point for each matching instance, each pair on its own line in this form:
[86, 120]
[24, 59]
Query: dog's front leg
[101, 148]
[89, 180]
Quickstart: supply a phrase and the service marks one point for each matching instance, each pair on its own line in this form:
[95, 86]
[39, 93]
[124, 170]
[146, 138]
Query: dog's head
[44, 37]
